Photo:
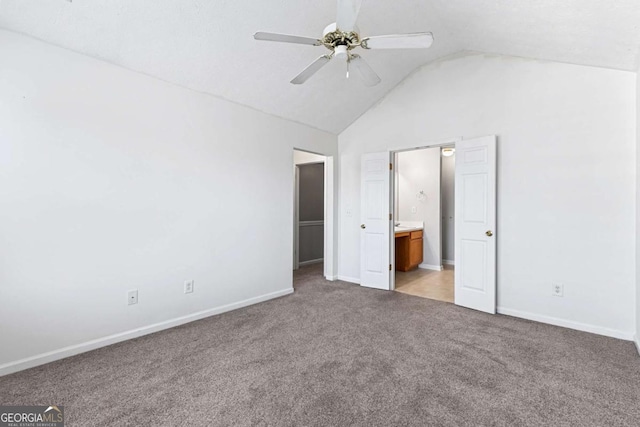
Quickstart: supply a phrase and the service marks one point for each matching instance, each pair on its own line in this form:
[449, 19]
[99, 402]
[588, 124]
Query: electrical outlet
[557, 289]
[132, 297]
[188, 286]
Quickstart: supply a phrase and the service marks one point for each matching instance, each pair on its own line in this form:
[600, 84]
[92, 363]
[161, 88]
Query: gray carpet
[335, 354]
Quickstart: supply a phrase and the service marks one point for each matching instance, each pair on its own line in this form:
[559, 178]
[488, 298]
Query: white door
[475, 224]
[375, 228]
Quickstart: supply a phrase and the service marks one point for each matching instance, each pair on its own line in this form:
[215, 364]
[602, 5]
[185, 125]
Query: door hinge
[390, 217]
[390, 166]
[389, 267]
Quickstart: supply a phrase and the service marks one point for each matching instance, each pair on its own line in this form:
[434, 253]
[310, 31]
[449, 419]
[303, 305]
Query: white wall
[566, 177]
[111, 180]
[419, 170]
[302, 157]
[448, 207]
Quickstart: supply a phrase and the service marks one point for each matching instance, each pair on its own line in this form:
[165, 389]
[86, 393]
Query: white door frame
[330, 220]
[296, 218]
[296, 208]
[392, 152]
[330, 216]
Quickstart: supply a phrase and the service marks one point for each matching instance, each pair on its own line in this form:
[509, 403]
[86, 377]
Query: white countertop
[406, 229]
[407, 226]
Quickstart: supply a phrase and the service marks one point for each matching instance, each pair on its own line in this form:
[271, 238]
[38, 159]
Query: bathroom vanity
[409, 247]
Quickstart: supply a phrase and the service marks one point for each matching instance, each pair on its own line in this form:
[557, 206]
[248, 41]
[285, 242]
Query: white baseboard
[448, 262]
[331, 278]
[431, 267]
[636, 339]
[585, 327]
[349, 279]
[311, 261]
[41, 359]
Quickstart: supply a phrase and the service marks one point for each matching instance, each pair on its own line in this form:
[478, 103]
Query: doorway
[424, 206]
[309, 215]
[475, 222]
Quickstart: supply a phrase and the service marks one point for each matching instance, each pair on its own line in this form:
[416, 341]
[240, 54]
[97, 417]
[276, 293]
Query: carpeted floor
[335, 354]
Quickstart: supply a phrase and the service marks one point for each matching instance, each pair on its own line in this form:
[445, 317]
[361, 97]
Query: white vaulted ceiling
[208, 45]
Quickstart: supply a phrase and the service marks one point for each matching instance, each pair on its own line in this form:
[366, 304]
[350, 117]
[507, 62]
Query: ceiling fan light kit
[341, 52]
[342, 37]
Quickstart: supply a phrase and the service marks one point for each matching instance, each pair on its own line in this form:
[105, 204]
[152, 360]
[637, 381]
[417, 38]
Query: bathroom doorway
[475, 268]
[424, 222]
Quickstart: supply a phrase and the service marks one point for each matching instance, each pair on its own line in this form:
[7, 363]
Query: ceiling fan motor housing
[340, 41]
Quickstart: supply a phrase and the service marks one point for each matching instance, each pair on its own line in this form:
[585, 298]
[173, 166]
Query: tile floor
[431, 284]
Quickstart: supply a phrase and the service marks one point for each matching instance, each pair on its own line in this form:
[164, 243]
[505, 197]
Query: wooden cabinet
[409, 250]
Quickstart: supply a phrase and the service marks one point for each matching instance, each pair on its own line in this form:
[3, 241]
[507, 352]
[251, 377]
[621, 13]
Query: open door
[475, 224]
[375, 228]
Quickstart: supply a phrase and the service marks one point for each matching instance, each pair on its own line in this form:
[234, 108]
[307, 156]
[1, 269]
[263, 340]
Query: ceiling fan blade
[347, 14]
[285, 38]
[399, 41]
[313, 68]
[369, 77]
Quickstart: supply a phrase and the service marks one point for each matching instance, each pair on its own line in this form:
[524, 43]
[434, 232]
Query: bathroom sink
[403, 226]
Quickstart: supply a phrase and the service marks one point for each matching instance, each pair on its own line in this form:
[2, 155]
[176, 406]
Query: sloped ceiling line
[208, 46]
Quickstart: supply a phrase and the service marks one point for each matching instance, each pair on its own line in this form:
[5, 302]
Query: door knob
[363, 226]
[489, 233]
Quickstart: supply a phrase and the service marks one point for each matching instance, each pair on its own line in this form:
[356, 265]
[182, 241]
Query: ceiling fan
[342, 37]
